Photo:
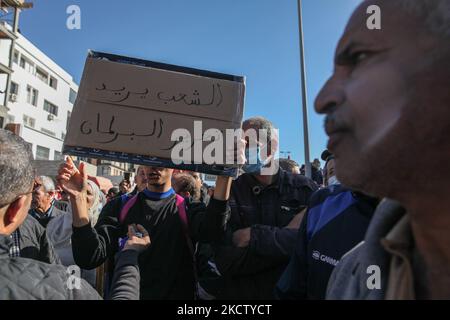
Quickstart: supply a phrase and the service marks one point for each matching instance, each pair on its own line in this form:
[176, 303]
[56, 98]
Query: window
[16, 57]
[28, 121]
[50, 108]
[42, 153]
[72, 96]
[68, 118]
[32, 95]
[13, 92]
[106, 171]
[53, 82]
[26, 64]
[14, 88]
[51, 133]
[57, 156]
[42, 75]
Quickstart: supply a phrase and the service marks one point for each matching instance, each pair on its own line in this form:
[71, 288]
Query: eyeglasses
[36, 186]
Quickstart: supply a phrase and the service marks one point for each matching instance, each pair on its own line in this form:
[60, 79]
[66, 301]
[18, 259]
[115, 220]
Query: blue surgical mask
[253, 164]
[333, 181]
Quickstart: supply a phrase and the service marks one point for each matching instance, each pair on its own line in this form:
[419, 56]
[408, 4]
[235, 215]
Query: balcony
[5, 33]
[15, 4]
[5, 69]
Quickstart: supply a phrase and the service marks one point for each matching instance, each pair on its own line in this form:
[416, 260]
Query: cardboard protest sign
[129, 110]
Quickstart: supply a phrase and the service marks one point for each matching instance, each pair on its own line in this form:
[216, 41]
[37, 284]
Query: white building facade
[41, 98]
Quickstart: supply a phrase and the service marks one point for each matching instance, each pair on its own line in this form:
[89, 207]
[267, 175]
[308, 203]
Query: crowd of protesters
[378, 201]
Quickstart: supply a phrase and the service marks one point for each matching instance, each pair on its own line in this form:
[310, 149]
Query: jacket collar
[276, 184]
[45, 215]
[385, 218]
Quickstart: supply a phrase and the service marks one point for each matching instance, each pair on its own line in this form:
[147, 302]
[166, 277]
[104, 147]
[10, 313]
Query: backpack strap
[181, 205]
[127, 203]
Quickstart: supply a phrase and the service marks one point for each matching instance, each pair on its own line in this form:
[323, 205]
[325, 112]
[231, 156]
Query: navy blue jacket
[336, 221]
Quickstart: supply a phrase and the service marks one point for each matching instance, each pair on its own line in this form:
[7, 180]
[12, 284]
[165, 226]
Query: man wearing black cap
[336, 221]
[329, 177]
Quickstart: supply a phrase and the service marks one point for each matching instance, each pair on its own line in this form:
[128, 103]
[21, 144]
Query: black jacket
[204, 197]
[44, 219]
[166, 267]
[252, 272]
[316, 175]
[34, 243]
[335, 222]
[25, 279]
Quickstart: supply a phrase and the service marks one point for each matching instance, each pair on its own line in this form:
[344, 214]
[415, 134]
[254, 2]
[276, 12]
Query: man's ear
[274, 142]
[13, 213]
[185, 194]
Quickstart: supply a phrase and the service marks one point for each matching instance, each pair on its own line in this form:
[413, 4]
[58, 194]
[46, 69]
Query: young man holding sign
[167, 268]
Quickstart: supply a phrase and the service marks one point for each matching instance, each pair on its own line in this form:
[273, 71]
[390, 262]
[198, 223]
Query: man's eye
[357, 57]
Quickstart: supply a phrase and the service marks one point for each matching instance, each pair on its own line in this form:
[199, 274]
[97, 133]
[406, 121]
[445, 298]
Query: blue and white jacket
[336, 221]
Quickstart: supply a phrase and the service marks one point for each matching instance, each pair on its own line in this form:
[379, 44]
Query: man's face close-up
[158, 176]
[141, 178]
[124, 187]
[384, 105]
[41, 199]
[198, 179]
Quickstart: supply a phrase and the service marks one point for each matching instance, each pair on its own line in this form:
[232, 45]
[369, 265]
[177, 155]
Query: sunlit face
[124, 186]
[253, 139]
[329, 169]
[42, 200]
[141, 178]
[386, 103]
[157, 176]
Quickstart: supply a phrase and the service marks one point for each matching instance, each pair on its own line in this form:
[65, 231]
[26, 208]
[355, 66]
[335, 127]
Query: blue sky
[254, 38]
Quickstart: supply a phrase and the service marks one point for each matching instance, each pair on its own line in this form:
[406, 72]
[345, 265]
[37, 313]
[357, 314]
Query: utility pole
[304, 92]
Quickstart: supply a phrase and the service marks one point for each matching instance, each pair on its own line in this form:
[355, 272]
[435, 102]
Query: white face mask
[333, 181]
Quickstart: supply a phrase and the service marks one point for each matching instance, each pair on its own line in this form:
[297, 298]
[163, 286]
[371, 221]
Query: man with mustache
[140, 180]
[266, 207]
[388, 113]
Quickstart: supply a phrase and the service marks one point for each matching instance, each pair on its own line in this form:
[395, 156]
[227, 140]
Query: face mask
[254, 164]
[333, 181]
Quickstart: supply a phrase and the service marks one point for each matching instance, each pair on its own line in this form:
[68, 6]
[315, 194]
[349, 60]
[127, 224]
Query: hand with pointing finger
[136, 241]
[71, 179]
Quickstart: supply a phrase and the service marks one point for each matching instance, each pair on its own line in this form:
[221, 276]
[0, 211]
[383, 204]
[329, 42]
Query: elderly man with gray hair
[387, 107]
[26, 279]
[42, 205]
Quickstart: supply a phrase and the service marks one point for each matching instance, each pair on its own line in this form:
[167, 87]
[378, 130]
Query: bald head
[432, 15]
